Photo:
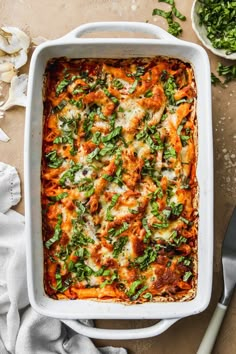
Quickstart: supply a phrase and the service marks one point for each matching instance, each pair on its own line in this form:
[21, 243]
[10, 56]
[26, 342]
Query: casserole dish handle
[120, 334]
[138, 27]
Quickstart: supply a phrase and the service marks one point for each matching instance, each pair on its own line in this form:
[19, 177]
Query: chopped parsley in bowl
[214, 22]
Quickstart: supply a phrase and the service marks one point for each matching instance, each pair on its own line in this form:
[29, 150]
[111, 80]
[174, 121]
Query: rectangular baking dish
[72, 46]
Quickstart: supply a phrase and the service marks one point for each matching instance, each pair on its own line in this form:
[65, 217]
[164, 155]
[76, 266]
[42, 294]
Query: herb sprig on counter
[174, 27]
[226, 71]
[219, 18]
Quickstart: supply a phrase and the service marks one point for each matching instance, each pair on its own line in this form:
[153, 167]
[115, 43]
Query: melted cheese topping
[119, 186]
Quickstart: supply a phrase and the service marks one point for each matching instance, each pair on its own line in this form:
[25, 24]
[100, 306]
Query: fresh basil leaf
[178, 14]
[187, 275]
[148, 93]
[117, 131]
[176, 208]
[114, 277]
[118, 84]
[58, 197]
[112, 98]
[133, 87]
[119, 245]
[169, 153]
[57, 232]
[53, 160]
[59, 107]
[93, 154]
[133, 287]
[62, 85]
[146, 228]
[77, 103]
[96, 139]
[116, 232]
[169, 89]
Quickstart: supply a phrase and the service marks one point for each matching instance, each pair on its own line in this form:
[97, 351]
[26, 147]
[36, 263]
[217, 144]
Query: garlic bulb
[14, 45]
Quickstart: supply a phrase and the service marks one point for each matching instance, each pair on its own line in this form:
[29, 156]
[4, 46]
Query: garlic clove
[17, 93]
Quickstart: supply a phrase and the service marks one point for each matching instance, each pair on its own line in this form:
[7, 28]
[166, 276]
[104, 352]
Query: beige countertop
[52, 19]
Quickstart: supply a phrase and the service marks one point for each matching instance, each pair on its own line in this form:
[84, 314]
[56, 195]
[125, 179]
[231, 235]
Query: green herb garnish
[119, 245]
[53, 160]
[57, 232]
[174, 27]
[58, 197]
[112, 135]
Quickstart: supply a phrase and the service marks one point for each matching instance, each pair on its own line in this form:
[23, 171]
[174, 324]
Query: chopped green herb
[146, 228]
[121, 109]
[62, 85]
[178, 14]
[58, 197]
[53, 160]
[81, 209]
[109, 281]
[96, 139]
[215, 80]
[133, 211]
[148, 296]
[149, 256]
[148, 93]
[77, 103]
[133, 87]
[187, 275]
[57, 232]
[186, 221]
[119, 245]
[112, 135]
[114, 232]
[170, 88]
[118, 84]
[176, 209]
[94, 154]
[228, 71]
[78, 237]
[114, 200]
[162, 13]
[108, 149]
[169, 153]
[174, 27]
[133, 287]
[59, 107]
[69, 175]
[112, 98]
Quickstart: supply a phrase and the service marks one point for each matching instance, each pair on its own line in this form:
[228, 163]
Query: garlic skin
[17, 93]
[3, 136]
[14, 45]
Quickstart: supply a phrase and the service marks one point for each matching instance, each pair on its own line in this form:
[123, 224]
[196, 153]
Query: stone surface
[52, 19]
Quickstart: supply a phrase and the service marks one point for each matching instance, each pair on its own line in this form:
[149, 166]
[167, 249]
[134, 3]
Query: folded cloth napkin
[22, 330]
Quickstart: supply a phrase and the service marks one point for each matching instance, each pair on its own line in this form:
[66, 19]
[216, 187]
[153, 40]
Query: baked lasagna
[119, 188]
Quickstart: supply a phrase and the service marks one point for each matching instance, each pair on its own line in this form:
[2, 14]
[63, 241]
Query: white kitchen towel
[22, 330]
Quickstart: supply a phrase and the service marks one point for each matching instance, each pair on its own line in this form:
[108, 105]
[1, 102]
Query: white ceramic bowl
[202, 34]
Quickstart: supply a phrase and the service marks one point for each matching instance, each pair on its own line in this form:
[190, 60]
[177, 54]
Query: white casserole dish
[72, 46]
